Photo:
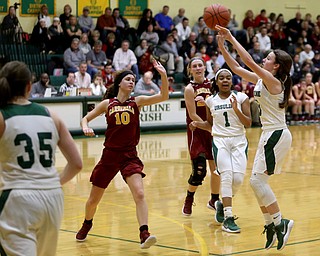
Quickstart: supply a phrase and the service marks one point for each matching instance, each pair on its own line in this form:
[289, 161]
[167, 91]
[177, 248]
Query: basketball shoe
[83, 232]
[187, 207]
[270, 235]
[210, 205]
[219, 214]
[230, 226]
[283, 232]
[146, 240]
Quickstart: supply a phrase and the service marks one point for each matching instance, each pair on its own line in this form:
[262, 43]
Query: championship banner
[32, 7]
[96, 7]
[4, 6]
[132, 8]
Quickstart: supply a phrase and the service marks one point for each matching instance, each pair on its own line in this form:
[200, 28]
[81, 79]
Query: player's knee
[226, 183]
[237, 182]
[261, 188]
[199, 171]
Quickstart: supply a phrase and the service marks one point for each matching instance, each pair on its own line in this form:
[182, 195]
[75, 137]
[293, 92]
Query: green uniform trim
[32, 109]
[269, 153]
[3, 199]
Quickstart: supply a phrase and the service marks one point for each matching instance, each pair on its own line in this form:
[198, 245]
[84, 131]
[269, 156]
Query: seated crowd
[93, 52]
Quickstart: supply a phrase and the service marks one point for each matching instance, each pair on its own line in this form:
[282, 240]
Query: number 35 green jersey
[28, 147]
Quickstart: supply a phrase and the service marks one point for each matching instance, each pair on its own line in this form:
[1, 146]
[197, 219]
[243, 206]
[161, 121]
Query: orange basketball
[216, 14]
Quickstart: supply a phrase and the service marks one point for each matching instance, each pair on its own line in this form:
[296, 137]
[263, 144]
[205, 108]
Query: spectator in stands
[40, 36]
[175, 62]
[315, 38]
[261, 19]
[308, 19]
[310, 97]
[199, 26]
[176, 38]
[39, 88]
[298, 92]
[211, 44]
[68, 86]
[248, 21]
[73, 56]
[294, 28]
[179, 18]
[86, 22]
[280, 21]
[202, 53]
[264, 40]
[141, 49]
[73, 29]
[57, 38]
[306, 54]
[107, 75]
[250, 38]
[296, 70]
[111, 47]
[256, 53]
[106, 24]
[272, 18]
[297, 47]
[84, 45]
[248, 88]
[95, 36]
[43, 14]
[123, 28]
[149, 35]
[183, 29]
[189, 48]
[146, 86]
[96, 58]
[10, 24]
[124, 58]
[164, 22]
[202, 37]
[316, 65]
[278, 38]
[212, 66]
[146, 19]
[97, 86]
[65, 16]
[82, 78]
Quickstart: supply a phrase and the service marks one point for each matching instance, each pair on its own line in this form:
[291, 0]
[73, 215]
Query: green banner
[4, 6]
[32, 7]
[132, 8]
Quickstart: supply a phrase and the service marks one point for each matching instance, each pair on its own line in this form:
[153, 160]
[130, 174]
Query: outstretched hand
[158, 66]
[223, 32]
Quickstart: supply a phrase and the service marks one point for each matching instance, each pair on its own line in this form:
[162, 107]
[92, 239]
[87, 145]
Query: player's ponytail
[283, 74]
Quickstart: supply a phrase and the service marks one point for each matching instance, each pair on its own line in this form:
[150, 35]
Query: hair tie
[285, 79]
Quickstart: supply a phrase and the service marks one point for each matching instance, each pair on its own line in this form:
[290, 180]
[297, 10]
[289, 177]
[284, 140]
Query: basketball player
[199, 141]
[31, 201]
[230, 114]
[119, 153]
[272, 90]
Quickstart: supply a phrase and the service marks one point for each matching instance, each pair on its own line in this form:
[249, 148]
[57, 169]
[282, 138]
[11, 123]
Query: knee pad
[199, 171]
[262, 190]
[237, 181]
[226, 184]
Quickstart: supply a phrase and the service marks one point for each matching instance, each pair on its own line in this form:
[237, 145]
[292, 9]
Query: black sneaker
[283, 232]
[270, 235]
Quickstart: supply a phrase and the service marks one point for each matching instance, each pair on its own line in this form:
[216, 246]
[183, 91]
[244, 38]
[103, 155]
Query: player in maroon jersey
[199, 141]
[119, 153]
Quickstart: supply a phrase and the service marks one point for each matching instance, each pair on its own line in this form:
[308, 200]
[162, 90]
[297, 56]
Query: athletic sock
[276, 218]
[267, 218]
[214, 197]
[227, 211]
[89, 222]
[143, 227]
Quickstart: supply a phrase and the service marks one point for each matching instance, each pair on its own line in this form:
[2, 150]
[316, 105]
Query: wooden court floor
[167, 165]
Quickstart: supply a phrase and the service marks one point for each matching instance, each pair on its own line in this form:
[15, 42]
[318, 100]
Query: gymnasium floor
[167, 165]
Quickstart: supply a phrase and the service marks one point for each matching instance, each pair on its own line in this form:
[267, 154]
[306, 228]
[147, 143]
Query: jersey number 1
[227, 124]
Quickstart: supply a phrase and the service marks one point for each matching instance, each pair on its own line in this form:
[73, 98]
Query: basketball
[216, 14]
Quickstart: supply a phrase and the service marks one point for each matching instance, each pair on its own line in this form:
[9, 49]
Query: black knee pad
[199, 171]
